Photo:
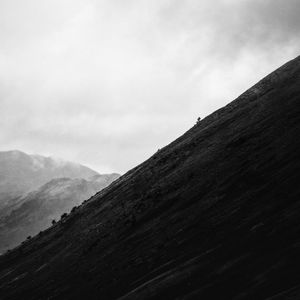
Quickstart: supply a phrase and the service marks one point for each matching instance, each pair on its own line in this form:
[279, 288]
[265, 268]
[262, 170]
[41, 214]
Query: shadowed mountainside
[48, 203]
[214, 215]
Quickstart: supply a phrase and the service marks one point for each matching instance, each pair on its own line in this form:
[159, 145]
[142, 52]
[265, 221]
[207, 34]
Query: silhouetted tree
[73, 209]
[63, 216]
[53, 222]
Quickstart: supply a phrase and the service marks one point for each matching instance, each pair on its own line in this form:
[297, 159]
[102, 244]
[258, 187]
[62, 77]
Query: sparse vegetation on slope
[214, 215]
[39, 209]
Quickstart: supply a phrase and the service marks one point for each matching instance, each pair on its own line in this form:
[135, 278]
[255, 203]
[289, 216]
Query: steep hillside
[48, 203]
[214, 215]
[21, 173]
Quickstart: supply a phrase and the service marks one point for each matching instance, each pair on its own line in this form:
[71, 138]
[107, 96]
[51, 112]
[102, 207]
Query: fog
[107, 83]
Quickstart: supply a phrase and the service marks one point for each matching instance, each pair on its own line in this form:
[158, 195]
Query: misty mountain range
[34, 190]
[213, 215]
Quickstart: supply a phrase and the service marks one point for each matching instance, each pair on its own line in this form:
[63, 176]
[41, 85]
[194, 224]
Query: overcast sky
[108, 82]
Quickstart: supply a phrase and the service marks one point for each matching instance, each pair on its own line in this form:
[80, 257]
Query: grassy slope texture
[214, 215]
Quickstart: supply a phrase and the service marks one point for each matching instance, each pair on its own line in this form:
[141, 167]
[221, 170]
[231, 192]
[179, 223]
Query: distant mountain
[48, 203]
[213, 215]
[35, 189]
[21, 173]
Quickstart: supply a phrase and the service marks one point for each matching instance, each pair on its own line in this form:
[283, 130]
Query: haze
[107, 83]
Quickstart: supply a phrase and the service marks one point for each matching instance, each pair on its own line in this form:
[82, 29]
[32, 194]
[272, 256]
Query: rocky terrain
[213, 215]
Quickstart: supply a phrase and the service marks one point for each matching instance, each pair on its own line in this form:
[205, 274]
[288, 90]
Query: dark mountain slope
[214, 215]
[47, 203]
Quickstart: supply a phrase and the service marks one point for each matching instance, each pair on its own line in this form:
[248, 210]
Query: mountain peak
[21, 173]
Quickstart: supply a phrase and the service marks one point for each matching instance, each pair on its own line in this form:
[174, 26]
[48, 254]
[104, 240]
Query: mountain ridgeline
[35, 190]
[213, 215]
[39, 208]
[21, 173]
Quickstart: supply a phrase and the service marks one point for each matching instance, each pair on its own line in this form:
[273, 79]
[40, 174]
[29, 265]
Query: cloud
[108, 82]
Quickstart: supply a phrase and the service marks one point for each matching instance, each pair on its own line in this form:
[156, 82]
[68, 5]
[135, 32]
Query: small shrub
[73, 209]
[63, 216]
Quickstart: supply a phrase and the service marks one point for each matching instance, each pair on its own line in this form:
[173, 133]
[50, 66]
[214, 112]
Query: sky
[107, 82]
